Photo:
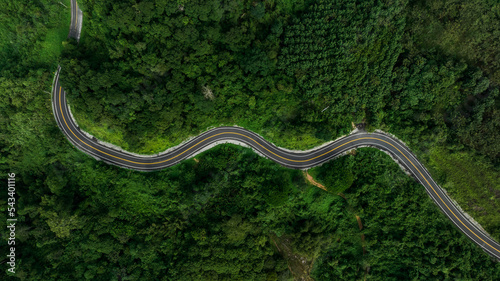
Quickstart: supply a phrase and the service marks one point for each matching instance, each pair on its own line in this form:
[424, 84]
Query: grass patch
[157, 144]
[146, 144]
[52, 46]
[472, 182]
[104, 131]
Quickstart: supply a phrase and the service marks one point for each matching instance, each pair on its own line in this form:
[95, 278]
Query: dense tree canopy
[147, 74]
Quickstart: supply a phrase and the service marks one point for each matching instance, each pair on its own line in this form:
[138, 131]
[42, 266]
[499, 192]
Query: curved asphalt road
[294, 160]
[76, 21]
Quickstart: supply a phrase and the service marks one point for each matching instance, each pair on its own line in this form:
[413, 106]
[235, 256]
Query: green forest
[146, 75]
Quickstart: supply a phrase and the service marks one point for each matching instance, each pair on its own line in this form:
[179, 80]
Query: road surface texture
[76, 21]
[294, 160]
[290, 159]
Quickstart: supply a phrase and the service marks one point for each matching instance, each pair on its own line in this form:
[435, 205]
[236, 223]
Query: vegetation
[461, 29]
[336, 175]
[146, 74]
[472, 181]
[407, 238]
[32, 34]
[156, 86]
[89, 220]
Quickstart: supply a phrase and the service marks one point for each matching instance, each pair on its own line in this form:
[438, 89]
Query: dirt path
[312, 181]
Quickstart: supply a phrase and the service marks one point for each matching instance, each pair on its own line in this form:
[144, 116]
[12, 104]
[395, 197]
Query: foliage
[190, 222]
[140, 78]
[336, 175]
[473, 182]
[31, 34]
[407, 237]
[464, 29]
[344, 59]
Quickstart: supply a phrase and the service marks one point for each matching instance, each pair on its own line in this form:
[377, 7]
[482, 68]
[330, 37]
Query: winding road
[76, 21]
[290, 159]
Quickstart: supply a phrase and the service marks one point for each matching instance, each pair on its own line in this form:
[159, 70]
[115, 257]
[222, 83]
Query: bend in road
[294, 160]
